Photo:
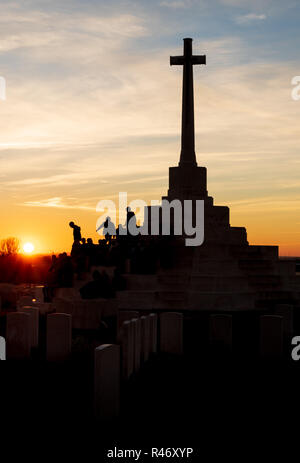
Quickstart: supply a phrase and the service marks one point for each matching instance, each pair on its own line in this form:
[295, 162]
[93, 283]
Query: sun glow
[28, 248]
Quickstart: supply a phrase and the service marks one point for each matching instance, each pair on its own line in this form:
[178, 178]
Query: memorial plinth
[225, 273]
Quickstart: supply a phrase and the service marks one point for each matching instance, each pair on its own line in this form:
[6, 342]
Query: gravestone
[221, 331]
[136, 322]
[86, 314]
[153, 333]
[107, 382]
[171, 333]
[127, 349]
[271, 336]
[126, 315]
[145, 338]
[34, 323]
[18, 335]
[59, 336]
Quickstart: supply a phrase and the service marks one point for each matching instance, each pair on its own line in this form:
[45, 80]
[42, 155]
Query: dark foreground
[224, 407]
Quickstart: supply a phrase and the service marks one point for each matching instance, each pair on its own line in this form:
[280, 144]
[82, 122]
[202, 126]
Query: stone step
[171, 281]
[255, 252]
[223, 301]
[251, 266]
[286, 267]
[266, 281]
[172, 295]
[135, 300]
[216, 267]
[181, 300]
[270, 295]
[218, 282]
[141, 282]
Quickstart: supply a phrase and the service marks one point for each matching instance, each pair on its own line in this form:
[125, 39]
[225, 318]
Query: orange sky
[93, 108]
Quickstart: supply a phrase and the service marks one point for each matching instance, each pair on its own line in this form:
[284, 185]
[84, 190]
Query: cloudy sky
[93, 108]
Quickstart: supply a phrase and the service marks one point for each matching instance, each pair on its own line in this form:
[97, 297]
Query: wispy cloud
[26, 29]
[93, 107]
[175, 4]
[250, 18]
[57, 203]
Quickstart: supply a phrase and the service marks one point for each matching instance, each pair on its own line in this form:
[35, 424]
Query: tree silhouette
[9, 246]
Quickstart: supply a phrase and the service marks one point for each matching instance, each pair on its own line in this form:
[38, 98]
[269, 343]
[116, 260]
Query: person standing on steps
[76, 231]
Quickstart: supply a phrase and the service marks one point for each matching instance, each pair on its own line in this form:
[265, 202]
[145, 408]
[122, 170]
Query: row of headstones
[109, 357]
[22, 334]
[272, 328]
[138, 337]
[138, 340]
[271, 334]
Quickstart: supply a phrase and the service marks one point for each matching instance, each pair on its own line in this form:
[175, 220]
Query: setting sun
[28, 248]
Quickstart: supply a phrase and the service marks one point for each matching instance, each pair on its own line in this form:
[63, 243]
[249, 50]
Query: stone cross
[187, 155]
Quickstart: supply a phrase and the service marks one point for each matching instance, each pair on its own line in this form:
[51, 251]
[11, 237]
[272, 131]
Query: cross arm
[176, 60]
[199, 59]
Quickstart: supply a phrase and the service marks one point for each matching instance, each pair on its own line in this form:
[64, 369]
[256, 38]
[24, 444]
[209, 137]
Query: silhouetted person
[66, 271]
[109, 229]
[101, 252]
[120, 231]
[90, 246]
[130, 220]
[90, 252]
[51, 280]
[79, 259]
[76, 231]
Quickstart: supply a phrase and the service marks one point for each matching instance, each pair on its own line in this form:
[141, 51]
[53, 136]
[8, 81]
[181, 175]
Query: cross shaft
[187, 155]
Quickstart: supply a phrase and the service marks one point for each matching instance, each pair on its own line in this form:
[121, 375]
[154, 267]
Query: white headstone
[18, 335]
[153, 333]
[34, 323]
[107, 382]
[171, 333]
[127, 349]
[271, 336]
[136, 322]
[125, 315]
[59, 336]
[145, 337]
